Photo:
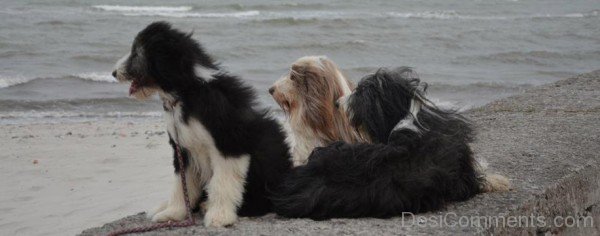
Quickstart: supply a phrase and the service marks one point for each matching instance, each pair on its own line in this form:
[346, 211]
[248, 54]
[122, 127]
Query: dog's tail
[494, 183]
[489, 182]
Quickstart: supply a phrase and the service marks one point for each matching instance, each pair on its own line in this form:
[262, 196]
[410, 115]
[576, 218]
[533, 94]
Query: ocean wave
[174, 11]
[307, 13]
[6, 82]
[98, 105]
[55, 117]
[242, 14]
[94, 57]
[337, 45]
[310, 17]
[440, 86]
[288, 21]
[450, 15]
[97, 77]
[70, 114]
[593, 13]
[280, 6]
[163, 9]
[538, 58]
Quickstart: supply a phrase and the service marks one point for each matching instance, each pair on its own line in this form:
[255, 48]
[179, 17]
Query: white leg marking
[225, 189]
[175, 209]
[160, 208]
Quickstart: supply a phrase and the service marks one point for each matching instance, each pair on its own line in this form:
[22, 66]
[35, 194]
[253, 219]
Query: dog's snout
[271, 90]
[336, 104]
[114, 74]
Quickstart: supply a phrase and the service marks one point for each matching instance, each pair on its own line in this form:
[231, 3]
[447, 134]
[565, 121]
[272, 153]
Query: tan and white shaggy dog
[307, 95]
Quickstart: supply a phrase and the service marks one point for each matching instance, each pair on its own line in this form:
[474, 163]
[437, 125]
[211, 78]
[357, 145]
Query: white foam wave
[98, 77]
[426, 14]
[66, 116]
[196, 14]
[175, 12]
[69, 114]
[11, 81]
[449, 15]
[6, 82]
[163, 9]
[593, 13]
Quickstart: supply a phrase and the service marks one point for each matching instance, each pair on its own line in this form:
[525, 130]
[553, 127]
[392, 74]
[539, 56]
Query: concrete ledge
[546, 140]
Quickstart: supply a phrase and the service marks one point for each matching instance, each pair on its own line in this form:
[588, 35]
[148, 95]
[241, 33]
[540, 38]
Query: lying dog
[419, 159]
[232, 152]
[307, 95]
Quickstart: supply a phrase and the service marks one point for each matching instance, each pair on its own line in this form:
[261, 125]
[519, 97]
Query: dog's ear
[319, 100]
[297, 72]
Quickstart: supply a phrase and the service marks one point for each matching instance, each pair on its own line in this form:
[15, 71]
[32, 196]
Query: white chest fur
[191, 135]
[222, 177]
[194, 137]
[301, 143]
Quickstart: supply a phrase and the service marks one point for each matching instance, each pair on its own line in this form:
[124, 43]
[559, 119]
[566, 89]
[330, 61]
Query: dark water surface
[56, 56]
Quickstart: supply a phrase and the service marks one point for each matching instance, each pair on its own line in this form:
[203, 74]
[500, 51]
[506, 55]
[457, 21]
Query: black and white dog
[418, 161]
[232, 152]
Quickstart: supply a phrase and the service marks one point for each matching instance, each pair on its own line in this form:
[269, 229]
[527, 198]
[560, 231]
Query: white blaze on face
[120, 68]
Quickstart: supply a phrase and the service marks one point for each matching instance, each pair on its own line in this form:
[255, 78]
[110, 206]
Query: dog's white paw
[216, 217]
[161, 207]
[171, 213]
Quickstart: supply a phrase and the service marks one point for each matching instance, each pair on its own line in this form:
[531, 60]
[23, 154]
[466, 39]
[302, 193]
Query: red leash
[188, 222]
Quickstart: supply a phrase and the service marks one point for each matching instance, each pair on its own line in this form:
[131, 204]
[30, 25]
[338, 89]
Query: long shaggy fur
[232, 152]
[307, 95]
[419, 161]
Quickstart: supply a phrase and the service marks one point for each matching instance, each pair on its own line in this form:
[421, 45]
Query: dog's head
[161, 58]
[381, 100]
[307, 94]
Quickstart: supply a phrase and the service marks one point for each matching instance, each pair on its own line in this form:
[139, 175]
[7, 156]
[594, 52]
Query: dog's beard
[142, 93]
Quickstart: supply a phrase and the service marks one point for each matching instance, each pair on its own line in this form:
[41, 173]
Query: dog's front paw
[157, 210]
[215, 217]
[171, 213]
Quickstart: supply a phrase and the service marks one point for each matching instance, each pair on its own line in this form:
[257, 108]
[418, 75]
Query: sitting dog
[232, 152]
[307, 96]
[419, 159]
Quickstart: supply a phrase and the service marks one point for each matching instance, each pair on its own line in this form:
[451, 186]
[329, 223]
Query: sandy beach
[58, 179]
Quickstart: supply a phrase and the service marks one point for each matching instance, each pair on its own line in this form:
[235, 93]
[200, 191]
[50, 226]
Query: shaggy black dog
[232, 152]
[419, 160]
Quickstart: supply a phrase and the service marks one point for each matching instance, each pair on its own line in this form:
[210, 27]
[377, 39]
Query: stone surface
[546, 140]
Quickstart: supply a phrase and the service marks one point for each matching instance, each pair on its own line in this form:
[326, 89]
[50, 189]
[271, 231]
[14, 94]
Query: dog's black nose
[337, 104]
[114, 74]
[271, 90]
